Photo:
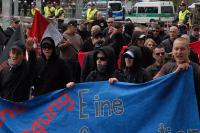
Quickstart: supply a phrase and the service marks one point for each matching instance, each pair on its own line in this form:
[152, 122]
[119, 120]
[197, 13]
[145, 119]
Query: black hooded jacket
[51, 74]
[146, 58]
[135, 74]
[99, 76]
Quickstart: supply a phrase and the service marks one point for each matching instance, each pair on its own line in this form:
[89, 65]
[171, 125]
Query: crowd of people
[113, 51]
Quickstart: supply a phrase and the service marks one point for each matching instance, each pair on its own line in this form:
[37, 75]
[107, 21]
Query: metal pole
[79, 7]
[16, 6]
[6, 12]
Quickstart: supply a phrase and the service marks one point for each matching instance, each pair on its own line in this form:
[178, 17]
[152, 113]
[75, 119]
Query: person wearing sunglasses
[159, 57]
[97, 41]
[131, 70]
[51, 72]
[104, 64]
[155, 34]
[110, 30]
[104, 60]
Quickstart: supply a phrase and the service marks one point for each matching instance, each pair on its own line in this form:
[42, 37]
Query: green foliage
[85, 1]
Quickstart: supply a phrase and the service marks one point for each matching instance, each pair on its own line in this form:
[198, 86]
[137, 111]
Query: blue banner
[164, 105]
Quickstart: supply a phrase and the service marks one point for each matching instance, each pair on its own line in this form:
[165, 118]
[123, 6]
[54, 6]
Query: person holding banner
[104, 64]
[52, 73]
[132, 72]
[69, 48]
[104, 60]
[180, 52]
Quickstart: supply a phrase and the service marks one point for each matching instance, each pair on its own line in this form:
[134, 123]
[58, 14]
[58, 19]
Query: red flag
[41, 28]
[81, 58]
[196, 47]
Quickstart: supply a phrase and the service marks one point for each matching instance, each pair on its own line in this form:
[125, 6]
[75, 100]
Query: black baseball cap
[129, 53]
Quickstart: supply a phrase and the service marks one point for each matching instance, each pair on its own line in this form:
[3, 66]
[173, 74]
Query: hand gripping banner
[164, 105]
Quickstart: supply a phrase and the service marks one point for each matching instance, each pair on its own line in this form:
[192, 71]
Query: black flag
[3, 39]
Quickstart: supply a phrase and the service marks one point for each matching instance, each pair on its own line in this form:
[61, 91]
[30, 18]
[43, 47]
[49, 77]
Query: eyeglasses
[101, 58]
[109, 22]
[161, 53]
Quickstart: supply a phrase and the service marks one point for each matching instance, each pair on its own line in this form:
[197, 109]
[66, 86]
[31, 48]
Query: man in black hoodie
[131, 70]
[104, 60]
[52, 72]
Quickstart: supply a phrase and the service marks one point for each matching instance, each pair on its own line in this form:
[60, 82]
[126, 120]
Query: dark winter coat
[52, 74]
[135, 74]
[99, 76]
[15, 82]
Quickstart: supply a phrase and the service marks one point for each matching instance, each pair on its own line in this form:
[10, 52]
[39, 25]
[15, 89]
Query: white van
[142, 12]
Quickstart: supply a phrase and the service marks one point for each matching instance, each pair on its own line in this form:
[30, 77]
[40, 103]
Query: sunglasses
[161, 53]
[155, 30]
[109, 22]
[46, 47]
[196, 29]
[101, 58]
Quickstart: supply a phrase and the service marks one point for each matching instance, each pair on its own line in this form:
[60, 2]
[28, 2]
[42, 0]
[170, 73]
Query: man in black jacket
[15, 75]
[52, 73]
[131, 70]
